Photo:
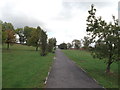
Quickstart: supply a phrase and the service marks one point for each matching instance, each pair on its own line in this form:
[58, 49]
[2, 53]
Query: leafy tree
[69, 45]
[20, 33]
[43, 43]
[7, 26]
[0, 37]
[63, 46]
[106, 38]
[27, 33]
[1, 31]
[50, 44]
[8, 34]
[54, 43]
[4, 36]
[76, 43]
[34, 38]
[86, 42]
[10, 37]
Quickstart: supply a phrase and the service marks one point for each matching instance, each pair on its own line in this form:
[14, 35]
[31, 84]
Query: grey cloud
[21, 21]
[85, 5]
[66, 12]
[17, 18]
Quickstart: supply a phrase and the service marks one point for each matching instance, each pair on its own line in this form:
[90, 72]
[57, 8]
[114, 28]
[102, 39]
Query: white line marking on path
[54, 58]
[46, 79]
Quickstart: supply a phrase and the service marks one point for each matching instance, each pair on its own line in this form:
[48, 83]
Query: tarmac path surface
[66, 74]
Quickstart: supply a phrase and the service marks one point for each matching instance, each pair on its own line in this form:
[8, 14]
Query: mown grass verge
[95, 67]
[23, 67]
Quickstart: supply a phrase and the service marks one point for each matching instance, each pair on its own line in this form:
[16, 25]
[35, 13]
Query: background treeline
[83, 44]
[30, 36]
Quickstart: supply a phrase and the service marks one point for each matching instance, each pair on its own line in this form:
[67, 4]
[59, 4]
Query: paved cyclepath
[65, 74]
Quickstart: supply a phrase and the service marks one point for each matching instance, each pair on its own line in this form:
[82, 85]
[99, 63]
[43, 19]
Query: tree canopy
[30, 36]
[8, 34]
[105, 36]
[34, 38]
[76, 43]
[43, 43]
[69, 45]
[86, 42]
[51, 44]
[63, 46]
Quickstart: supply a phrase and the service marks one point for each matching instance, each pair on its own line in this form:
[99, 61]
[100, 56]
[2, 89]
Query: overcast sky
[63, 19]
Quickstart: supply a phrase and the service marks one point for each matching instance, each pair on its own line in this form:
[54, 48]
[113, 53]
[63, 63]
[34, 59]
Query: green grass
[95, 67]
[23, 67]
[0, 66]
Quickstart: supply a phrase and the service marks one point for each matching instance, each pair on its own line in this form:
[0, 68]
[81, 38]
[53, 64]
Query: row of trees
[76, 44]
[30, 36]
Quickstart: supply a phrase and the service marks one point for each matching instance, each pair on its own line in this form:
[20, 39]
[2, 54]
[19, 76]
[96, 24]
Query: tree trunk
[8, 46]
[108, 68]
[110, 58]
[37, 48]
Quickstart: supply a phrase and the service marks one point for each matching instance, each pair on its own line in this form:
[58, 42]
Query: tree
[7, 26]
[69, 45]
[50, 44]
[54, 43]
[1, 31]
[106, 38]
[8, 34]
[4, 36]
[63, 46]
[20, 33]
[86, 42]
[34, 39]
[76, 43]
[0, 37]
[116, 39]
[27, 32]
[10, 37]
[43, 43]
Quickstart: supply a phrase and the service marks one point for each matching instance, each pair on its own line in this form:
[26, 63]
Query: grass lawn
[23, 67]
[0, 65]
[95, 67]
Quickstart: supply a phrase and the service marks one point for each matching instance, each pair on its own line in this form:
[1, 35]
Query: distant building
[17, 38]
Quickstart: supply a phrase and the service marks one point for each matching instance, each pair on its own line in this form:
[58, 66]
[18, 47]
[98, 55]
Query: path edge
[85, 71]
[46, 79]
